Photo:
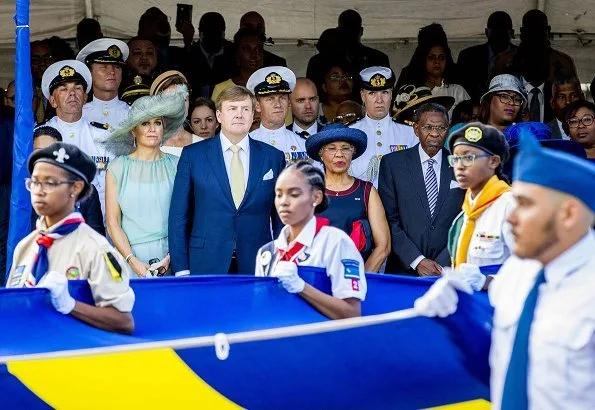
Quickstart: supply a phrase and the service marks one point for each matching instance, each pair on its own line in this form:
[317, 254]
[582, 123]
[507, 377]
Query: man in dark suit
[421, 197]
[255, 21]
[223, 198]
[564, 91]
[350, 32]
[304, 107]
[474, 62]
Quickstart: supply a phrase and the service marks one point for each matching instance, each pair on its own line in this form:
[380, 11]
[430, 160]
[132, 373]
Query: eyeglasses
[586, 121]
[345, 151]
[440, 129]
[46, 186]
[510, 99]
[36, 59]
[347, 118]
[337, 77]
[466, 160]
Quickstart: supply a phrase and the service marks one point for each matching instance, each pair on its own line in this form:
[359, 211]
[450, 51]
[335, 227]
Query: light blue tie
[431, 186]
[514, 394]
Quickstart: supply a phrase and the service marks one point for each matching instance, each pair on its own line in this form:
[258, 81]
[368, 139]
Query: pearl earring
[314, 204]
[72, 195]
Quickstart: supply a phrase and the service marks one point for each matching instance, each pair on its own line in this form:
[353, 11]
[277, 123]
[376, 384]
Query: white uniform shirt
[311, 131]
[110, 113]
[384, 136]
[562, 339]
[291, 144]
[85, 136]
[330, 249]
[492, 239]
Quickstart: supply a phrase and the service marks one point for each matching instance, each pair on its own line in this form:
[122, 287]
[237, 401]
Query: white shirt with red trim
[329, 249]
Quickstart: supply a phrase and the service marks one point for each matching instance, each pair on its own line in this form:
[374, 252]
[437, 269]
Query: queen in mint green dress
[144, 194]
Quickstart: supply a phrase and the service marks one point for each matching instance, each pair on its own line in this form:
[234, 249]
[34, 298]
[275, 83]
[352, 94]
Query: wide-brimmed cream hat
[170, 105]
[409, 97]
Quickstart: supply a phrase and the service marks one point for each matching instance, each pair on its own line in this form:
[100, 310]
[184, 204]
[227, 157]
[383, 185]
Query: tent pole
[89, 9]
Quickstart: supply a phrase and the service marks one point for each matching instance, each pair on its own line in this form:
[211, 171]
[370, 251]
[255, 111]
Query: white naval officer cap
[62, 72]
[104, 50]
[377, 78]
[271, 80]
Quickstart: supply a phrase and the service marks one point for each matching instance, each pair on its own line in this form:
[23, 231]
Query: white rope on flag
[222, 342]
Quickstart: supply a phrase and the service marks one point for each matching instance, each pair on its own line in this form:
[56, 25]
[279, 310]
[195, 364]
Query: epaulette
[100, 125]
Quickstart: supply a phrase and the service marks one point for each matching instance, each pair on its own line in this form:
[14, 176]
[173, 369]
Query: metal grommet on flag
[221, 346]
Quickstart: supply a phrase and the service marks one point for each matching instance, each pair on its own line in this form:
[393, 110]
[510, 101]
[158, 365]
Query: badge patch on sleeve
[351, 268]
[355, 284]
[16, 276]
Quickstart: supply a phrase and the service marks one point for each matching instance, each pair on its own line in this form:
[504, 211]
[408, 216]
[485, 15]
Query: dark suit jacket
[553, 124]
[202, 77]
[204, 225]
[473, 63]
[269, 59]
[414, 231]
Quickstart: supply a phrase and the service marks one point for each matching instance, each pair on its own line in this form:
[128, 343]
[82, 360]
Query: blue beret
[333, 133]
[555, 170]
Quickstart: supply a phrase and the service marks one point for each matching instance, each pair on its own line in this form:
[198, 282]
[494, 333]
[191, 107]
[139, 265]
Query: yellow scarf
[492, 190]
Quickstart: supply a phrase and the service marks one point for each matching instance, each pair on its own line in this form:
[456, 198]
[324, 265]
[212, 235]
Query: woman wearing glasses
[480, 235]
[337, 87]
[504, 102]
[580, 125]
[354, 205]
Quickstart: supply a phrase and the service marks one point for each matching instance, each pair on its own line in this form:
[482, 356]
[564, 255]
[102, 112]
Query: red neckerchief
[292, 252]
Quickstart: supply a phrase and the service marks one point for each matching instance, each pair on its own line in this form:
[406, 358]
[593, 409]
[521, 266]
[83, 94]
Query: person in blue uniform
[309, 241]
[354, 205]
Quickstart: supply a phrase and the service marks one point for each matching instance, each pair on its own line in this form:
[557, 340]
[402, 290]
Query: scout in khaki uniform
[64, 247]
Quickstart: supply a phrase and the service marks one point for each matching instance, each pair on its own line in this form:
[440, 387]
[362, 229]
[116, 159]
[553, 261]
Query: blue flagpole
[20, 202]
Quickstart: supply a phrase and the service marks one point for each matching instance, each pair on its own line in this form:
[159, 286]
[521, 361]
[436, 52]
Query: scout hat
[506, 82]
[333, 133]
[409, 97]
[554, 169]
[484, 137]
[377, 78]
[62, 72]
[138, 88]
[271, 80]
[170, 105]
[104, 50]
[68, 157]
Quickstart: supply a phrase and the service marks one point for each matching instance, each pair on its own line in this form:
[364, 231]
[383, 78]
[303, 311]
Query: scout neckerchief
[493, 189]
[291, 254]
[46, 239]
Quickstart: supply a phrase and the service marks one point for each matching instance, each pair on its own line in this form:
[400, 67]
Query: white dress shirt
[286, 141]
[528, 88]
[331, 249]
[456, 91]
[563, 134]
[244, 154]
[384, 136]
[562, 339]
[111, 112]
[424, 157]
[313, 129]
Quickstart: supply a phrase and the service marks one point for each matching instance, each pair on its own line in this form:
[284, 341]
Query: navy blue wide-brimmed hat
[554, 169]
[333, 133]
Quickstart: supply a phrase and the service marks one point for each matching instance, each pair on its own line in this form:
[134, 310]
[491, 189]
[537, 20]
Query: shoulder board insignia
[100, 125]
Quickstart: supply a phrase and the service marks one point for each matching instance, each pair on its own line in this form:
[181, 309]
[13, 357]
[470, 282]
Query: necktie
[237, 176]
[46, 240]
[431, 186]
[535, 109]
[304, 134]
[514, 394]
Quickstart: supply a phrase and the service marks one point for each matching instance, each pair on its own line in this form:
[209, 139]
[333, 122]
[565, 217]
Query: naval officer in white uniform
[384, 135]
[272, 86]
[105, 58]
[65, 84]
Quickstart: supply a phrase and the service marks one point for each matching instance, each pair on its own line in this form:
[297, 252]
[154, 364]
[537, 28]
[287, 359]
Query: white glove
[287, 273]
[57, 284]
[473, 276]
[441, 299]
